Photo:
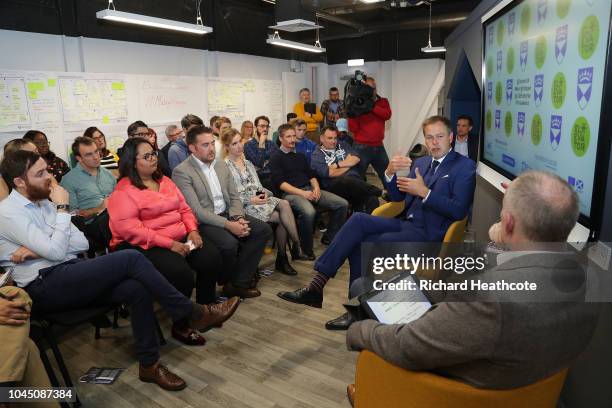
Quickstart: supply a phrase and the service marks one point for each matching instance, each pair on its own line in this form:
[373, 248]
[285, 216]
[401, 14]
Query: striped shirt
[110, 162]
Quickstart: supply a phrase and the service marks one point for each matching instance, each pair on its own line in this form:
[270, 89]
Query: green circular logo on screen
[589, 37]
[489, 67]
[559, 89]
[563, 7]
[489, 120]
[536, 129]
[525, 19]
[510, 60]
[508, 124]
[581, 136]
[500, 32]
[498, 93]
[540, 51]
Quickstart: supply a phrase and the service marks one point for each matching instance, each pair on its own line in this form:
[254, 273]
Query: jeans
[306, 211]
[374, 155]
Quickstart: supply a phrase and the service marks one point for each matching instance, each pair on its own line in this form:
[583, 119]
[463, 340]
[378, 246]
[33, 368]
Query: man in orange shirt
[312, 119]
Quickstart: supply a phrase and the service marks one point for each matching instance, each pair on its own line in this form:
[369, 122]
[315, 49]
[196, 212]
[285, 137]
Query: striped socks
[318, 282]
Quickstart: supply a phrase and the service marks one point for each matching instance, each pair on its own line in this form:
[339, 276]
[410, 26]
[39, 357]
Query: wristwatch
[65, 207]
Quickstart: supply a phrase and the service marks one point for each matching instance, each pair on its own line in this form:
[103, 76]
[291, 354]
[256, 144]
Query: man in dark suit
[210, 191]
[513, 338]
[438, 191]
[466, 143]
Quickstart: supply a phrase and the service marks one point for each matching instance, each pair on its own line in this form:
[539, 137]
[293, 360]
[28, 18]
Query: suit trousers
[20, 363]
[120, 277]
[200, 269]
[360, 228]
[241, 256]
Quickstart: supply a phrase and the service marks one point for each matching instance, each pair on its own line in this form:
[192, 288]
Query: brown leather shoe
[230, 290]
[215, 314]
[350, 393]
[160, 375]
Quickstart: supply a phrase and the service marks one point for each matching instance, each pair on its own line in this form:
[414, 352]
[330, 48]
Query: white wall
[409, 85]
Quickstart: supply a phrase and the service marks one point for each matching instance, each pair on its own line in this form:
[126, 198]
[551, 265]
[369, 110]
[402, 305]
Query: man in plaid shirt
[333, 108]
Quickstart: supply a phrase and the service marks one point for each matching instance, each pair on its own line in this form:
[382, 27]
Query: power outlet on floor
[600, 253]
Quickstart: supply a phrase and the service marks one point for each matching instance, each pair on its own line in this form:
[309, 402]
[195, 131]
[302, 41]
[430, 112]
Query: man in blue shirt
[303, 144]
[179, 150]
[336, 165]
[259, 150]
[40, 245]
[89, 186]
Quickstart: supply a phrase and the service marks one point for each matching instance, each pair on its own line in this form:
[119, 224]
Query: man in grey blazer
[510, 340]
[209, 189]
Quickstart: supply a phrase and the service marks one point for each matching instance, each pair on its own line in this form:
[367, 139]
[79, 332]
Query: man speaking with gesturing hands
[437, 191]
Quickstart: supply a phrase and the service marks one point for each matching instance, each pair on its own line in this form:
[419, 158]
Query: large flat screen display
[543, 86]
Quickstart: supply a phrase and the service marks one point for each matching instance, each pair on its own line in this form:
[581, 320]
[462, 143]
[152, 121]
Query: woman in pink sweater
[148, 213]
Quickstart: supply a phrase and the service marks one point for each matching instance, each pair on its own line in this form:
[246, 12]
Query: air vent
[296, 25]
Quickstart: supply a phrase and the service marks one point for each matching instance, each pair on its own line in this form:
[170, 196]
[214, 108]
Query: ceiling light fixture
[148, 21]
[371, 1]
[429, 48]
[276, 40]
[355, 62]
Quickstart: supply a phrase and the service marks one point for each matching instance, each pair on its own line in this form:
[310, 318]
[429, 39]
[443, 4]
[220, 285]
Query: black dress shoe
[295, 253]
[309, 256]
[283, 266]
[340, 323]
[303, 296]
[325, 240]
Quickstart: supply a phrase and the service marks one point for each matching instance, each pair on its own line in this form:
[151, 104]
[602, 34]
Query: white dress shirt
[40, 228]
[213, 184]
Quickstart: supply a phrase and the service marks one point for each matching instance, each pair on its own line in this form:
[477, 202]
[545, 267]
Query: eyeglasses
[264, 126]
[143, 134]
[149, 156]
[42, 143]
[98, 138]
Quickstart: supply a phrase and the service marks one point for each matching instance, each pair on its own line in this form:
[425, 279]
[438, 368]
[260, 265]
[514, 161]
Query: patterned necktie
[431, 171]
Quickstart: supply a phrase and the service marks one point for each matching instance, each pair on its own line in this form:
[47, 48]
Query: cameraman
[369, 131]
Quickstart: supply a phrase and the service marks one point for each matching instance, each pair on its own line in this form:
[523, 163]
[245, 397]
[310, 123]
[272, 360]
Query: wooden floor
[271, 353]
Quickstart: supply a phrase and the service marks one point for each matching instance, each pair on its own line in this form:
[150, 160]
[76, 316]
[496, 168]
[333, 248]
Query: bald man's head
[543, 206]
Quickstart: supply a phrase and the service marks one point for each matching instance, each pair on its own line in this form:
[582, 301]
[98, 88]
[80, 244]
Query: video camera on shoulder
[358, 96]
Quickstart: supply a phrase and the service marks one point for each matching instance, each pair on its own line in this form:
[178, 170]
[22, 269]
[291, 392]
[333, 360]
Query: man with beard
[259, 150]
[332, 108]
[39, 243]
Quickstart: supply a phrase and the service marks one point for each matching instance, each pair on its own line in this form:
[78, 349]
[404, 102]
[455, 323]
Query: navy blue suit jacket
[452, 192]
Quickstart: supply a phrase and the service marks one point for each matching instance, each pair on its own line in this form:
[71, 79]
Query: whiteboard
[64, 104]
[245, 99]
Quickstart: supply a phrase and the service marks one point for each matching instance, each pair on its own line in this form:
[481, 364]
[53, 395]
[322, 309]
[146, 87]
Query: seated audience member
[223, 123]
[179, 151]
[55, 165]
[109, 160]
[213, 125]
[292, 175]
[173, 134]
[89, 185]
[259, 202]
[40, 244]
[247, 131]
[312, 119]
[466, 143]
[438, 191]
[343, 134]
[148, 213]
[507, 344]
[291, 119]
[210, 191]
[140, 129]
[13, 146]
[20, 365]
[337, 168]
[259, 150]
[303, 144]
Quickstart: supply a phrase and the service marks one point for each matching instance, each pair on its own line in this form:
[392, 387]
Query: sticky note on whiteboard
[51, 82]
[105, 120]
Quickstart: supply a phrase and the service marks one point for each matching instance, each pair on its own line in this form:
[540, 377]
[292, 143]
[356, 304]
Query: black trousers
[362, 196]
[199, 269]
[241, 256]
[120, 277]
